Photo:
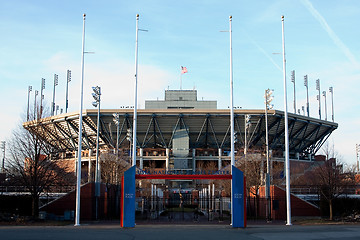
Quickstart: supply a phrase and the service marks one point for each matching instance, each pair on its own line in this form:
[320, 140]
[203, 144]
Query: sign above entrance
[182, 172]
[182, 176]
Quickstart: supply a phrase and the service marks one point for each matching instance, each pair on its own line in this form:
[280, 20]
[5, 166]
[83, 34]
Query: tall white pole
[287, 161]
[135, 93]
[78, 174]
[232, 154]
[231, 99]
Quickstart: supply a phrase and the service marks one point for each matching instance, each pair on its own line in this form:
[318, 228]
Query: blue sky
[40, 38]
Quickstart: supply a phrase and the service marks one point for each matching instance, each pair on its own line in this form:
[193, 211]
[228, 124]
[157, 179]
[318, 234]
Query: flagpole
[181, 80]
[78, 173]
[287, 160]
[135, 94]
[232, 153]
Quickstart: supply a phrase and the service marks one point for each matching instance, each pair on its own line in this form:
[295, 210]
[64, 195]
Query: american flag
[183, 70]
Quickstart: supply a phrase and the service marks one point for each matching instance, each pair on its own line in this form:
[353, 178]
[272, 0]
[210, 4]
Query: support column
[141, 158]
[193, 159]
[89, 166]
[219, 160]
[75, 162]
[167, 159]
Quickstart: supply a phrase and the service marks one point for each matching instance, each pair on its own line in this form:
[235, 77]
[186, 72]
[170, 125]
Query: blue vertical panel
[238, 198]
[129, 198]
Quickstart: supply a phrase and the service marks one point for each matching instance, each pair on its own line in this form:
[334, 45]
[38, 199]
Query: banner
[238, 198]
[128, 198]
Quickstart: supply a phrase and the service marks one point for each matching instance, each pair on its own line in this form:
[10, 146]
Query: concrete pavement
[181, 232]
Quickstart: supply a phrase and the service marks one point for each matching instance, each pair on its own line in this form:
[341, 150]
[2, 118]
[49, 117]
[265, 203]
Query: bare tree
[330, 178]
[112, 168]
[30, 165]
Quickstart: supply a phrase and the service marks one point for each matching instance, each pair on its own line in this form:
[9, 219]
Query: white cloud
[330, 32]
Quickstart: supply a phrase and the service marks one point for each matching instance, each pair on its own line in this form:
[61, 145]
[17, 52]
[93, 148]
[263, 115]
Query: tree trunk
[330, 210]
[35, 207]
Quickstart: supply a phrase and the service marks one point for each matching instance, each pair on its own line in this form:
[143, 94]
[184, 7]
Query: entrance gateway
[238, 198]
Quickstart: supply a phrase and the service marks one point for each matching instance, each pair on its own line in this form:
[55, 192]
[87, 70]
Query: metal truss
[206, 129]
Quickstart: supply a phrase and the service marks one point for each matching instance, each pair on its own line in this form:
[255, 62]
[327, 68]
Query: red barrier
[181, 177]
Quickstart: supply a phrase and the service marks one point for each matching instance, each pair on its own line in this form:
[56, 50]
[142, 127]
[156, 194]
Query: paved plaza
[181, 232]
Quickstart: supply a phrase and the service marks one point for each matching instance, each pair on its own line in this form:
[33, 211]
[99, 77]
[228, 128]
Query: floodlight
[95, 104]
[96, 90]
[317, 84]
[305, 80]
[69, 75]
[95, 96]
[293, 76]
[56, 78]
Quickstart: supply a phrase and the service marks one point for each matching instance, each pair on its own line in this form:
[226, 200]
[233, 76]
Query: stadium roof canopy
[205, 128]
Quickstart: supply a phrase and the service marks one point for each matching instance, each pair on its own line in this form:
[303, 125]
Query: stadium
[180, 134]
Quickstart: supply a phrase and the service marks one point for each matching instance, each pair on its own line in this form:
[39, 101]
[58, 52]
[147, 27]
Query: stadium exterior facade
[178, 132]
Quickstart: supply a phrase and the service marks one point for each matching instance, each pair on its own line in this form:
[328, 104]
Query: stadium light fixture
[306, 84]
[331, 90]
[268, 98]
[293, 81]
[2, 146]
[56, 81]
[318, 96]
[68, 79]
[324, 94]
[35, 110]
[357, 157]
[96, 95]
[42, 95]
[28, 103]
[117, 123]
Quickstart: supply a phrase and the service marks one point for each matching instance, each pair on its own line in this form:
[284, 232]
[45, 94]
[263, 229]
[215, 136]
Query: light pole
[129, 138]
[324, 94]
[268, 99]
[357, 157]
[2, 146]
[53, 102]
[331, 90]
[96, 95]
[293, 81]
[78, 174]
[247, 126]
[117, 123]
[303, 110]
[287, 161]
[42, 95]
[306, 84]
[35, 110]
[28, 103]
[318, 96]
[68, 79]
